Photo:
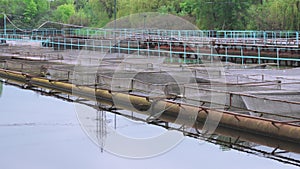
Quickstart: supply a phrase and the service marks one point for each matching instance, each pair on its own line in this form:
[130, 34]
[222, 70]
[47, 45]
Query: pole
[145, 21]
[144, 28]
[115, 11]
[115, 24]
[4, 23]
[297, 39]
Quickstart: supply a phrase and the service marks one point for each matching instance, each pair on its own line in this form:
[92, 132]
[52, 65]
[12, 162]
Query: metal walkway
[186, 46]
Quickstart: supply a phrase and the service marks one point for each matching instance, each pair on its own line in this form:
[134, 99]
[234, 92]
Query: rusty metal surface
[276, 129]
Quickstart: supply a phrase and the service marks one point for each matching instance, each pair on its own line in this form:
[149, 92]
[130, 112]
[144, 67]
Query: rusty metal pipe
[257, 125]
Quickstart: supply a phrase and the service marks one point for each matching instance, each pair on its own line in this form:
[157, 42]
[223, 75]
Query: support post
[171, 59]
[265, 37]
[258, 53]
[278, 62]
[297, 39]
[242, 56]
[184, 56]
[158, 49]
[211, 54]
[226, 54]
[115, 25]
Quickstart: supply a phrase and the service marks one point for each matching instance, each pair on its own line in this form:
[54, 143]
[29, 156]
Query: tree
[96, 13]
[80, 4]
[79, 18]
[275, 15]
[42, 14]
[206, 14]
[108, 6]
[30, 11]
[64, 12]
[227, 14]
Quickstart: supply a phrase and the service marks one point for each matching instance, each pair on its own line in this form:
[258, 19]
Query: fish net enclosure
[30, 67]
[200, 85]
[211, 84]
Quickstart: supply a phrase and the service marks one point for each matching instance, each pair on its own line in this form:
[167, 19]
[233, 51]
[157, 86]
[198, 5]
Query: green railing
[179, 34]
[186, 53]
[108, 40]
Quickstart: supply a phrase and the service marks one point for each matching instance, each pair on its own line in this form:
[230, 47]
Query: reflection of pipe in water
[247, 136]
[255, 125]
[1, 88]
[239, 140]
[235, 135]
[101, 130]
[230, 138]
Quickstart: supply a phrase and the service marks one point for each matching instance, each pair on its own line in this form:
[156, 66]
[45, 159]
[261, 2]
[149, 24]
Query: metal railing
[270, 46]
[180, 34]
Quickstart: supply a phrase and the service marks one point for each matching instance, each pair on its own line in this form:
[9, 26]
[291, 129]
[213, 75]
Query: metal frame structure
[278, 47]
[244, 142]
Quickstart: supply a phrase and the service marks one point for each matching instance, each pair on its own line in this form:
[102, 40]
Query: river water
[43, 132]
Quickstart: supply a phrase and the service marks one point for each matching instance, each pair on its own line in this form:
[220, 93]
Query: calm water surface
[42, 132]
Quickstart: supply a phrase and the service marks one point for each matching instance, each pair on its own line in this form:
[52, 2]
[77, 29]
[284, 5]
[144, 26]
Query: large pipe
[231, 132]
[267, 127]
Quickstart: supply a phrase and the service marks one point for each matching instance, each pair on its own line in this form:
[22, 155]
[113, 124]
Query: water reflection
[1, 87]
[226, 139]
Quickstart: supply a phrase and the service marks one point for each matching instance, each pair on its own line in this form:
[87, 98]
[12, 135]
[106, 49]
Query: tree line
[205, 14]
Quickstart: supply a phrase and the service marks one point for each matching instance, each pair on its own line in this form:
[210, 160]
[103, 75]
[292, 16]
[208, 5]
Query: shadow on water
[226, 138]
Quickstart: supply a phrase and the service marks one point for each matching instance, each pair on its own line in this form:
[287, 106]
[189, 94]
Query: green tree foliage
[56, 3]
[139, 7]
[30, 11]
[79, 18]
[8, 6]
[275, 15]
[25, 13]
[80, 4]
[42, 12]
[206, 14]
[96, 13]
[64, 12]
[108, 6]
[214, 14]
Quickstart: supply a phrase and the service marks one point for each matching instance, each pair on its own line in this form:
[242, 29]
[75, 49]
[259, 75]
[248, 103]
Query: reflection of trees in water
[227, 143]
